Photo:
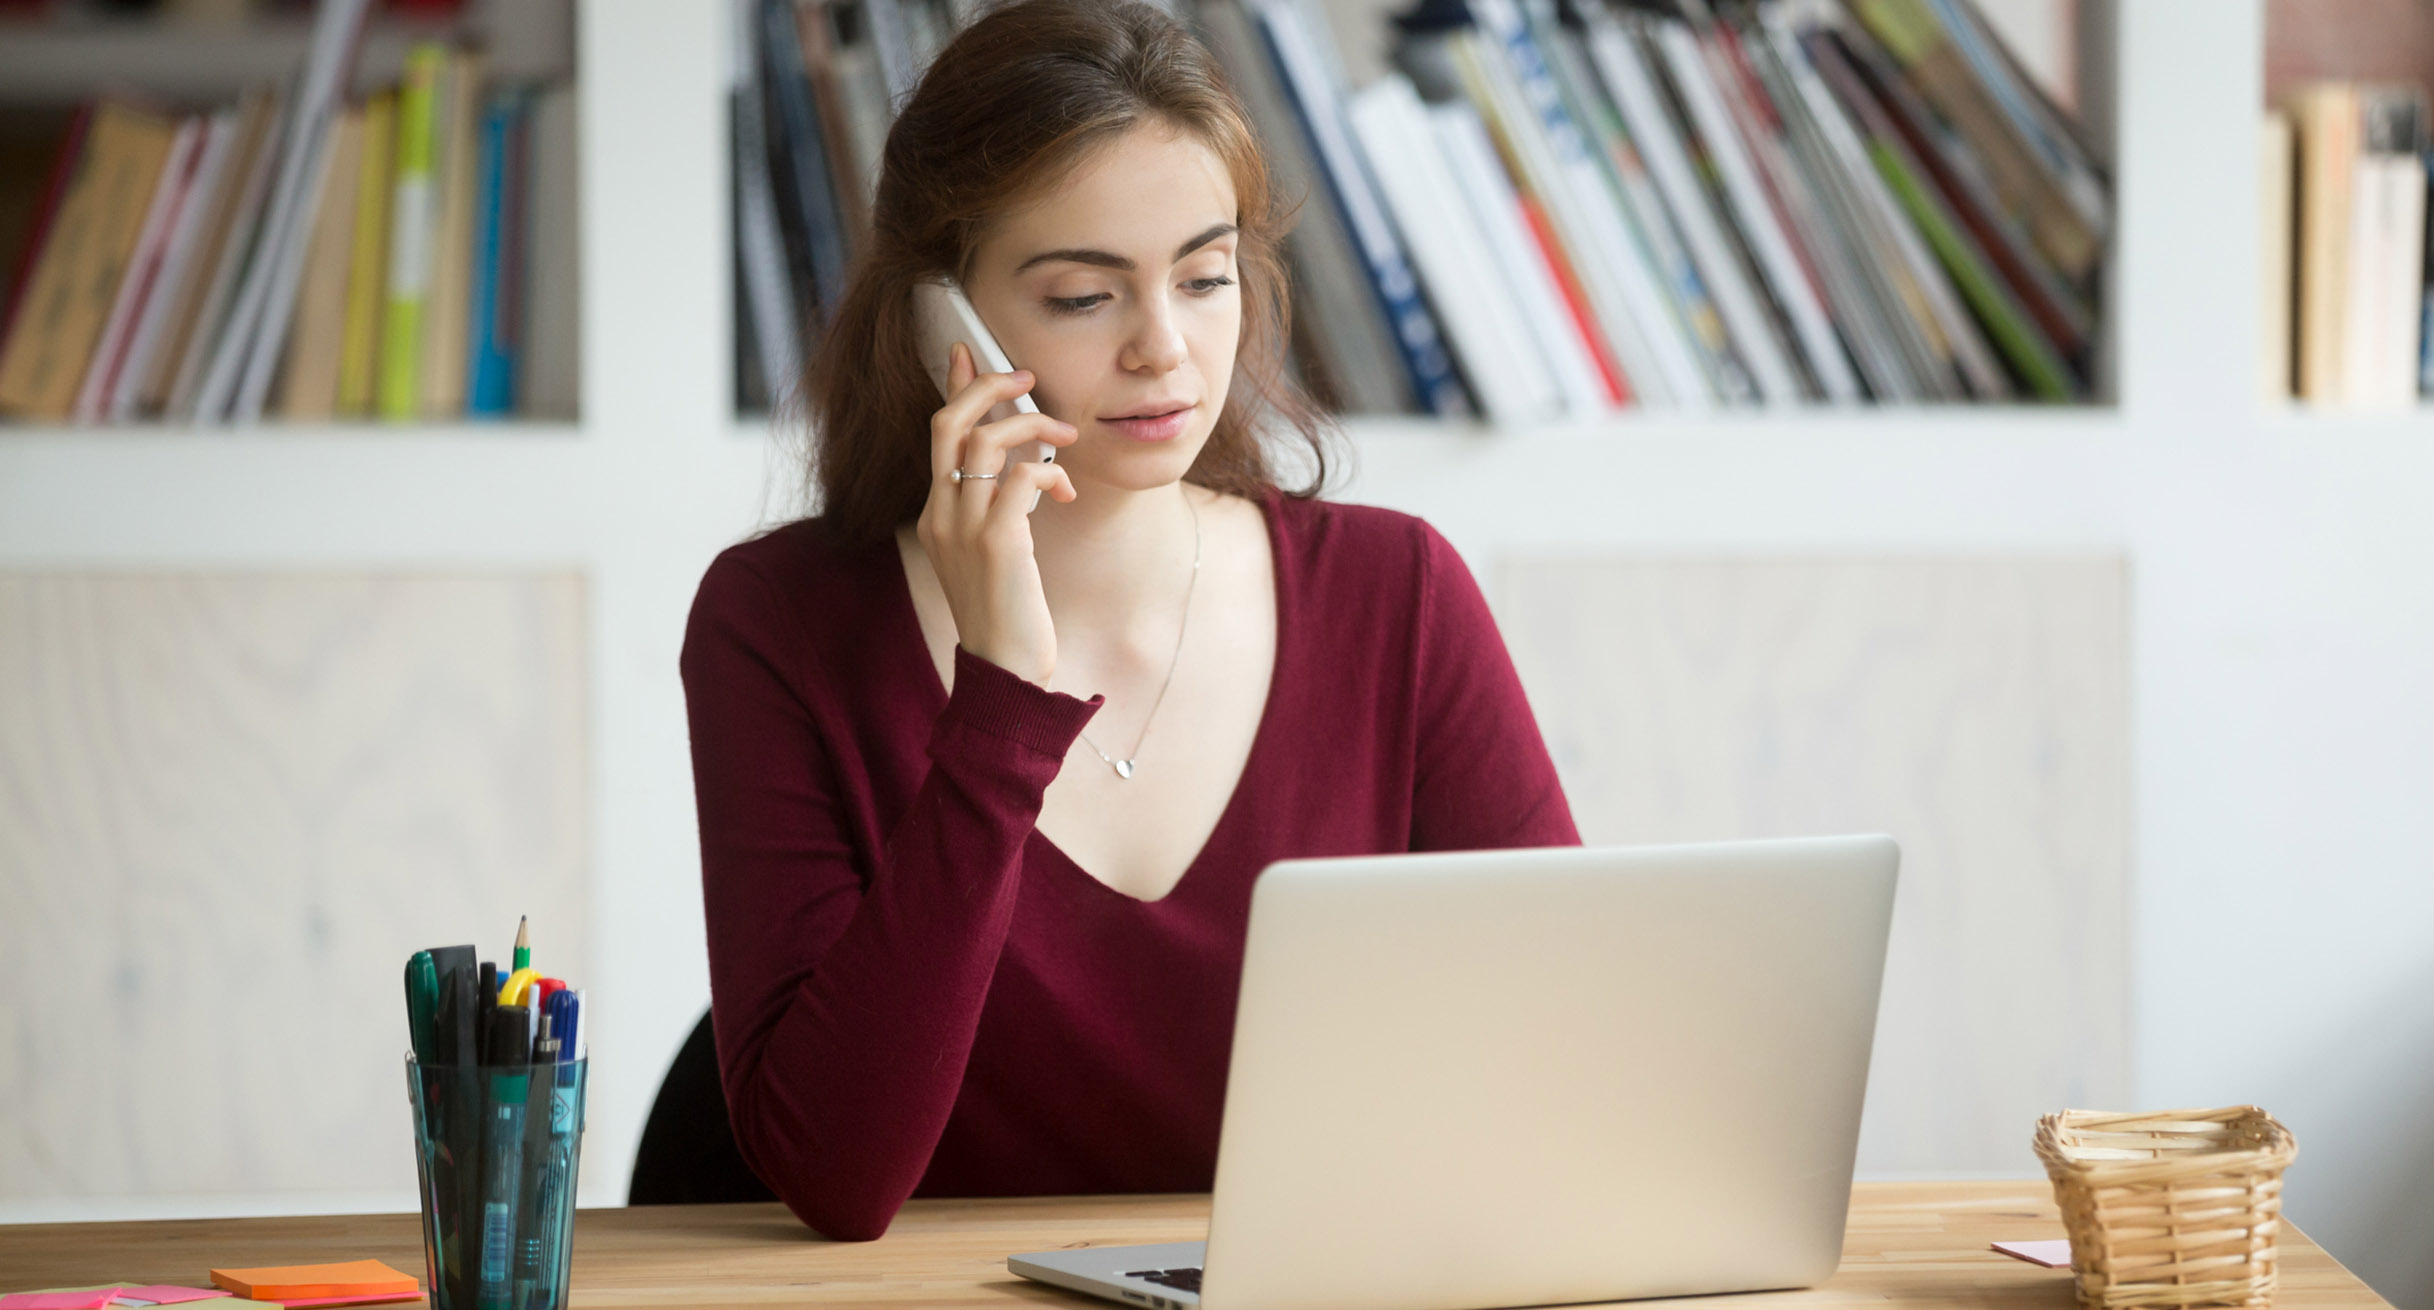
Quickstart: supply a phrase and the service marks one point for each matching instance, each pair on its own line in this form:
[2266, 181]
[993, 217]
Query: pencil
[523, 956]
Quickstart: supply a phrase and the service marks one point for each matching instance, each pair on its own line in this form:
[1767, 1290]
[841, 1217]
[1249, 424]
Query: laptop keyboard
[1182, 1280]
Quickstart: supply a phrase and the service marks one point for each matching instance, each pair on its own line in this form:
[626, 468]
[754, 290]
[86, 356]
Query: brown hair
[1009, 106]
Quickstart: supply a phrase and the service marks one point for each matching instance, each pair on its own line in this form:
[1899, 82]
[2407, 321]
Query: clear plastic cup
[495, 1151]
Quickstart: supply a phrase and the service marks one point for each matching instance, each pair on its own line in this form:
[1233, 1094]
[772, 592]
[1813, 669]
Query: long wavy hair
[1012, 104]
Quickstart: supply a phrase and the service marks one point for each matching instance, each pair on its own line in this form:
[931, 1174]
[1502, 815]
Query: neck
[1115, 561]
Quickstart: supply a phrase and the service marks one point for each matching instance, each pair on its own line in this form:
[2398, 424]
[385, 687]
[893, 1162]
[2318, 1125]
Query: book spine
[180, 266]
[367, 281]
[1313, 95]
[1785, 277]
[412, 218]
[249, 346]
[1652, 346]
[1490, 342]
[490, 384]
[142, 274]
[1631, 81]
[54, 191]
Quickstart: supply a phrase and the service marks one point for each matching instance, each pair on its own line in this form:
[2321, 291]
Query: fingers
[970, 403]
[1017, 488]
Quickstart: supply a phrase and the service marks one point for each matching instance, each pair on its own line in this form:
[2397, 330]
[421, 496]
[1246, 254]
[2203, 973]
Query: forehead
[1137, 195]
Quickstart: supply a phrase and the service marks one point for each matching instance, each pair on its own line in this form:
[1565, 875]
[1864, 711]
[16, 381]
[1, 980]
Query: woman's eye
[1206, 285]
[1073, 304]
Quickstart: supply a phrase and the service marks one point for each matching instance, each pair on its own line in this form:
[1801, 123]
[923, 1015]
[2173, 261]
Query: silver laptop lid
[1529, 1077]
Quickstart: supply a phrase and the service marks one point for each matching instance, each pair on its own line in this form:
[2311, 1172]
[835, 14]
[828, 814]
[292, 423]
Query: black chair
[688, 1154]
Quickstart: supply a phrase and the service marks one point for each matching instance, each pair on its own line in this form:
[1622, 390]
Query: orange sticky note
[299, 1282]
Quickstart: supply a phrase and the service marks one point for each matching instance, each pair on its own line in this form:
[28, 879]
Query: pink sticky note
[59, 1300]
[2055, 1254]
[167, 1294]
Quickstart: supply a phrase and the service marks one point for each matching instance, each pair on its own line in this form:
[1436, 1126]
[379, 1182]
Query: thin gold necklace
[1124, 767]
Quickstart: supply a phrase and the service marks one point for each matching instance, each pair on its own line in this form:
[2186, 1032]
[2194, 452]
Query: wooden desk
[1922, 1243]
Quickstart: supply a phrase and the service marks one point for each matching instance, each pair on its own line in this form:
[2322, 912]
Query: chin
[1135, 467]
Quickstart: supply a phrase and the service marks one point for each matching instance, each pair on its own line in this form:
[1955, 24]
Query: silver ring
[958, 475]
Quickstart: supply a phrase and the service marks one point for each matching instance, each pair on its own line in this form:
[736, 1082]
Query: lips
[1157, 409]
[1163, 422]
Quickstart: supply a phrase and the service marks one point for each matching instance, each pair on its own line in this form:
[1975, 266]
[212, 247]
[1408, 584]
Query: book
[810, 219]
[1865, 305]
[2276, 187]
[1610, 257]
[455, 163]
[308, 377]
[250, 340]
[220, 258]
[493, 311]
[549, 378]
[413, 220]
[1519, 261]
[1951, 351]
[2029, 355]
[1341, 334]
[2061, 227]
[64, 159]
[367, 259]
[853, 153]
[1620, 56]
[1510, 381]
[142, 272]
[181, 257]
[1818, 346]
[1653, 229]
[71, 286]
[1312, 90]
[767, 299]
[2059, 308]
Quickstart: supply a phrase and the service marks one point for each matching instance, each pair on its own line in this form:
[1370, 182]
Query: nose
[1156, 344]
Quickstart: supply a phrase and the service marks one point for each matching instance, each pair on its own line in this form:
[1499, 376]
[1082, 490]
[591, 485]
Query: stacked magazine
[1554, 209]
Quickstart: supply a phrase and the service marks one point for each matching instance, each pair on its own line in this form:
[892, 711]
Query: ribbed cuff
[987, 698]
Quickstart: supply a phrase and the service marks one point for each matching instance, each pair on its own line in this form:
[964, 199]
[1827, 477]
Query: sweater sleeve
[845, 996]
[1482, 777]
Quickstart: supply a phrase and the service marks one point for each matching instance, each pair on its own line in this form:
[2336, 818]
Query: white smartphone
[945, 316]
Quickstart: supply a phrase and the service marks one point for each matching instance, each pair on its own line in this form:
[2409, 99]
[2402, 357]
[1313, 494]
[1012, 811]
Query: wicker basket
[2177, 1208]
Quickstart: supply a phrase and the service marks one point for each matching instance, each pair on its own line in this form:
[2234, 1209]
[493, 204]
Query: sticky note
[353, 1279]
[2055, 1254]
[168, 1294]
[59, 1300]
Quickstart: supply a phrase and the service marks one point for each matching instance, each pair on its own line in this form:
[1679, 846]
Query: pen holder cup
[2169, 1210]
[495, 1150]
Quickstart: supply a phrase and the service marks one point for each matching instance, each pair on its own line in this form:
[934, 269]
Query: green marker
[422, 1004]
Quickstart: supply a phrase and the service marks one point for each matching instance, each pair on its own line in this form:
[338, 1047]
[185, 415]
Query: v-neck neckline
[1272, 514]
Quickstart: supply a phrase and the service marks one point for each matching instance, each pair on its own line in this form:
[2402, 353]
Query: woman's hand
[977, 532]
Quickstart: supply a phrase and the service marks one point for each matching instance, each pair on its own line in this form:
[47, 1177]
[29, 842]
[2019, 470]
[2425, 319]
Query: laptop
[1530, 1077]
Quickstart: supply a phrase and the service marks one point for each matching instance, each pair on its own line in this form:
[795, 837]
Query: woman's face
[1118, 290]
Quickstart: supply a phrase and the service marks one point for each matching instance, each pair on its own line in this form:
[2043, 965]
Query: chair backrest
[688, 1153]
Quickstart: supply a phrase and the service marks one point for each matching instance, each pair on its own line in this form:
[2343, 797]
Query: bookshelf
[2262, 545]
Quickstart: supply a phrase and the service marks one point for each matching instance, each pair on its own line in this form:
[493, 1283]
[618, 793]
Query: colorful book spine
[490, 366]
[413, 218]
[367, 281]
[1313, 94]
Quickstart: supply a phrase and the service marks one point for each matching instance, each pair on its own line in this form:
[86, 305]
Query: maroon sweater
[916, 992]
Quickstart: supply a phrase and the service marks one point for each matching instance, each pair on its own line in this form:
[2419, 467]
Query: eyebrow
[1105, 259]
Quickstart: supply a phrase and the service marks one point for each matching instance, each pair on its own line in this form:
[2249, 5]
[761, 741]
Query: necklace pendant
[1123, 768]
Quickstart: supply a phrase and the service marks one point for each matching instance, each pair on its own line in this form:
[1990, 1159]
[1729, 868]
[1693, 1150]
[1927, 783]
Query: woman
[971, 933]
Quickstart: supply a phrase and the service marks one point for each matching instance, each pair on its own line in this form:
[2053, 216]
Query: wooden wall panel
[230, 806]
[1976, 709]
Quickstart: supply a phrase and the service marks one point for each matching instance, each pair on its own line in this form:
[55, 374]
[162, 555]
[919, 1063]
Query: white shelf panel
[447, 497]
